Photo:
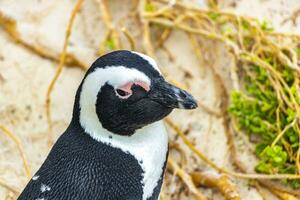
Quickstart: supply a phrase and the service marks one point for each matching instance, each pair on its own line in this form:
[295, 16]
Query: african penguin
[116, 145]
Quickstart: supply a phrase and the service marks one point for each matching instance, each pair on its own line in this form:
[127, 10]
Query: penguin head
[124, 91]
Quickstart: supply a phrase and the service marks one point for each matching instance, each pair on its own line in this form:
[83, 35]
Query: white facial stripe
[119, 75]
[150, 60]
[149, 144]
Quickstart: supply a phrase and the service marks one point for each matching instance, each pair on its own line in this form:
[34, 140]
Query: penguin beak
[171, 96]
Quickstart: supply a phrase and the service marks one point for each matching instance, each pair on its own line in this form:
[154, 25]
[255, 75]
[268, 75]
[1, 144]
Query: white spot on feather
[35, 177]
[45, 188]
[149, 144]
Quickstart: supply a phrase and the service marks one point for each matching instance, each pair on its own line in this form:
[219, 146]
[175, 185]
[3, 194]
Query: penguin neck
[149, 146]
[154, 133]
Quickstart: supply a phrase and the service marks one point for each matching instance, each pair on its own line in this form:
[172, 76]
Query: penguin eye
[125, 91]
[123, 94]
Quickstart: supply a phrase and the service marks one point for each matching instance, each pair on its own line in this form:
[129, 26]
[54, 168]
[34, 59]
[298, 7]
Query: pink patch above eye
[127, 88]
[143, 85]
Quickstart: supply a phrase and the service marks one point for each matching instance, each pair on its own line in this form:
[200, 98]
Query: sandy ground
[24, 78]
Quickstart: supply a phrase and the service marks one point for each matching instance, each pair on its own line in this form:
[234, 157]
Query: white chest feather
[148, 145]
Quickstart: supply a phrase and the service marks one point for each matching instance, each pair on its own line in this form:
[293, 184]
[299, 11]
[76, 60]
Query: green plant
[267, 107]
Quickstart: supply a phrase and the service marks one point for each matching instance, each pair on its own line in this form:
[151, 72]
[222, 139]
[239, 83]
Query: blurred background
[239, 58]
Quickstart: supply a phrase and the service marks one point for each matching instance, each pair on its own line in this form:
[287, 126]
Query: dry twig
[186, 179]
[221, 182]
[10, 26]
[17, 141]
[59, 68]
[10, 188]
[222, 170]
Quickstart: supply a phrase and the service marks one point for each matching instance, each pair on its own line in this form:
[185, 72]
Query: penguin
[116, 146]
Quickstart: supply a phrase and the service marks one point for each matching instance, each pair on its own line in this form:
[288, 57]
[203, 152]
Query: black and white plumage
[115, 147]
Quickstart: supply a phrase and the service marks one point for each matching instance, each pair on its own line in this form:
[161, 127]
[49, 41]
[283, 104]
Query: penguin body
[115, 147]
[74, 170]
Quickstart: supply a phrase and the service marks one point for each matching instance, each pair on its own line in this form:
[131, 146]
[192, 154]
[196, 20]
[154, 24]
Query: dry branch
[221, 182]
[112, 33]
[222, 170]
[59, 68]
[18, 143]
[9, 25]
[186, 179]
[8, 187]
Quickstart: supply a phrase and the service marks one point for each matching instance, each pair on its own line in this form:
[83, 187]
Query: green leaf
[110, 44]
[214, 16]
[298, 50]
[259, 148]
[264, 25]
[150, 7]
